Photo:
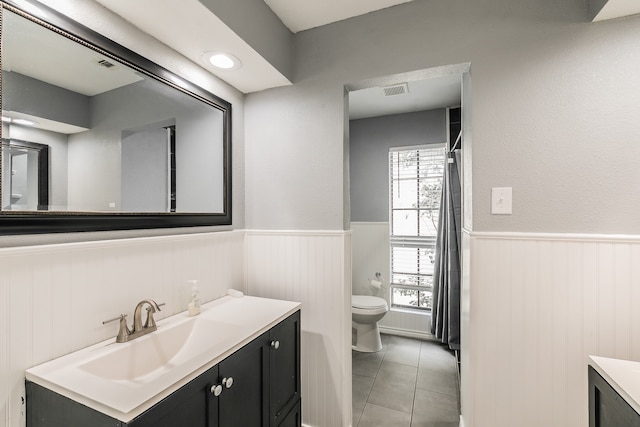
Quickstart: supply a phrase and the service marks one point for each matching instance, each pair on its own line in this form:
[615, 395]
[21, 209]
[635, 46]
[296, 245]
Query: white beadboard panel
[468, 341]
[312, 268]
[53, 298]
[538, 306]
[4, 345]
[346, 370]
[20, 326]
[370, 255]
[416, 323]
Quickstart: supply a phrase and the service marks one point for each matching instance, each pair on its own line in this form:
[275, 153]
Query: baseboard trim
[406, 333]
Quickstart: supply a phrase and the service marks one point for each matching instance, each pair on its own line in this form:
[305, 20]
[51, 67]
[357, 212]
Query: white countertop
[622, 375]
[233, 322]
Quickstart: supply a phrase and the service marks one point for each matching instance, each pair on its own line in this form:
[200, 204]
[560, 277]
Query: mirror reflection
[107, 137]
[25, 175]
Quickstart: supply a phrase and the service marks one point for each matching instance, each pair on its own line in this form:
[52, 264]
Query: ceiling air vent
[399, 89]
[106, 64]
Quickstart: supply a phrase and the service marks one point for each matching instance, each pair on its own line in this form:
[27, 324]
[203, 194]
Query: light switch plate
[501, 201]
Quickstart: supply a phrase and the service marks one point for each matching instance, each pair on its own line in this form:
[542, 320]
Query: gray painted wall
[369, 142]
[30, 96]
[554, 113]
[199, 170]
[145, 171]
[94, 156]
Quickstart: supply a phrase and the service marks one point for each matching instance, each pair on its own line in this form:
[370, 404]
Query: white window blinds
[415, 190]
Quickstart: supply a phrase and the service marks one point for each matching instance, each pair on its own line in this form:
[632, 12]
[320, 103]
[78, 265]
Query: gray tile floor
[409, 383]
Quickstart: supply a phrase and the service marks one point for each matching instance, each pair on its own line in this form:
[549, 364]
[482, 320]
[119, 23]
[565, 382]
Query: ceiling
[199, 24]
[194, 31]
[618, 9]
[421, 95]
[299, 15]
[197, 30]
[51, 56]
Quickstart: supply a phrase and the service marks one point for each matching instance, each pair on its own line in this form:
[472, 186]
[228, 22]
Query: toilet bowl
[366, 311]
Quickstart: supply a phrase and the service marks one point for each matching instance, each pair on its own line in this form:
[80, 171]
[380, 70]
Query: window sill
[411, 311]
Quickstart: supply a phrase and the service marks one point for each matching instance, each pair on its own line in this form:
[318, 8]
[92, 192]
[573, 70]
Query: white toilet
[366, 311]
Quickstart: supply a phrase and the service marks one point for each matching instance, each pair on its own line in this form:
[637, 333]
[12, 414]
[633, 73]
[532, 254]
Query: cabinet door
[293, 418]
[606, 407]
[284, 375]
[191, 405]
[243, 402]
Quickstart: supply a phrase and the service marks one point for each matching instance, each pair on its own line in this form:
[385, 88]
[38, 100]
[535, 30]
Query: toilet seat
[367, 302]
[366, 311]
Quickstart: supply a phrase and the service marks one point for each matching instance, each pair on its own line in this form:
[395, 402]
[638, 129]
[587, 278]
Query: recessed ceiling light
[222, 60]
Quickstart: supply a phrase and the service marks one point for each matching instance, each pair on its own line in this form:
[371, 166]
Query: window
[415, 181]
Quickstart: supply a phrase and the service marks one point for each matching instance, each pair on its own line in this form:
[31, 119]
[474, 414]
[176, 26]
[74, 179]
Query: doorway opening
[428, 103]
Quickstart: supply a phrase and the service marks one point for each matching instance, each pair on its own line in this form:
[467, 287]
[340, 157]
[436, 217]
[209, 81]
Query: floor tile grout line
[436, 392]
[373, 385]
[416, 388]
[381, 405]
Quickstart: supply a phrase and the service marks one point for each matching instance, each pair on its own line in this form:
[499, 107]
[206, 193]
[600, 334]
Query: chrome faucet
[125, 334]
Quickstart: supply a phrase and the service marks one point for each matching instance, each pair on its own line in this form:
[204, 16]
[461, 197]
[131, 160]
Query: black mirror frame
[36, 222]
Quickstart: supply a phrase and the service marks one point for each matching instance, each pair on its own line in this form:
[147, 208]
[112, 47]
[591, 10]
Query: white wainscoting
[313, 268]
[53, 298]
[539, 304]
[370, 244]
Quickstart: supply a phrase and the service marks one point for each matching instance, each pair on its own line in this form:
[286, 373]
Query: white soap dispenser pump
[194, 302]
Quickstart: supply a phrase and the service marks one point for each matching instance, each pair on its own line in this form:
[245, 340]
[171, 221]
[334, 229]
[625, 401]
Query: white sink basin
[162, 350]
[124, 380]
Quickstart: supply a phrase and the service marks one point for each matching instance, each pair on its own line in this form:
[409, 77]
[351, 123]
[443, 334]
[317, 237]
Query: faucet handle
[150, 322]
[123, 331]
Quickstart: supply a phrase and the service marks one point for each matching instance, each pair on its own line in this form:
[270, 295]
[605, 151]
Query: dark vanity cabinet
[606, 407]
[284, 372]
[258, 385]
[240, 381]
[190, 405]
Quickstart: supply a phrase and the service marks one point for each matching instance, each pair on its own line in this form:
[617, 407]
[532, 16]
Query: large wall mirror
[96, 137]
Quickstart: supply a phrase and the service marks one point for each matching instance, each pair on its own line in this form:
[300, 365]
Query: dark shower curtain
[445, 316]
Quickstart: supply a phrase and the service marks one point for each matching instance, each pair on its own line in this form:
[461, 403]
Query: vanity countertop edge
[278, 311]
[622, 375]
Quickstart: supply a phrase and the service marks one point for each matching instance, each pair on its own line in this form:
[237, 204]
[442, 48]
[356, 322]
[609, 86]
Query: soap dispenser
[194, 302]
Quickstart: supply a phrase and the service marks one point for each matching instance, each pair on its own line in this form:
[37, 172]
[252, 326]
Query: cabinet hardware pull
[216, 390]
[275, 344]
[227, 382]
